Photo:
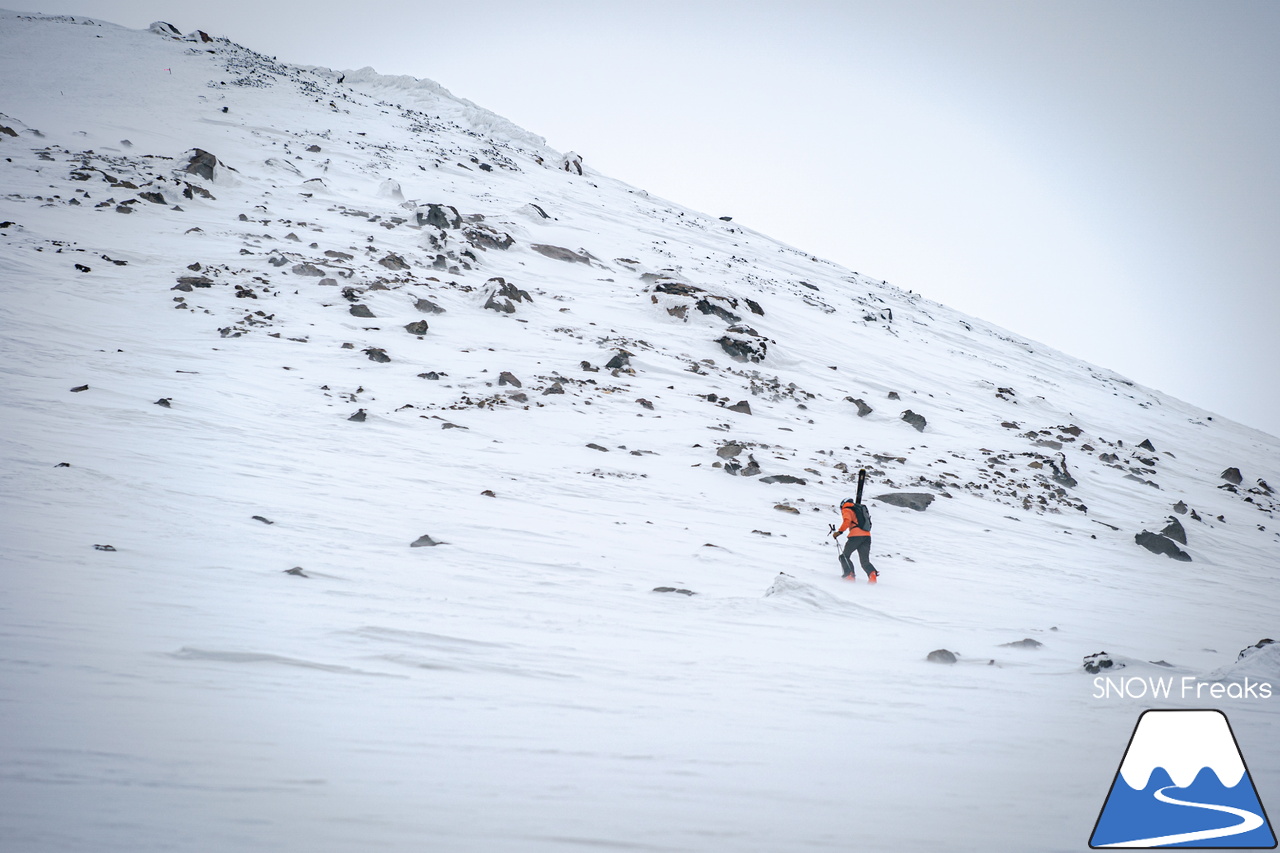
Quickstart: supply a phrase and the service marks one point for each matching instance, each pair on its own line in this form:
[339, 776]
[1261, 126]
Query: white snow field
[521, 686]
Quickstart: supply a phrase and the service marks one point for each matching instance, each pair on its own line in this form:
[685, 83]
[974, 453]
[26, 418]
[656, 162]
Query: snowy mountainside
[320, 315]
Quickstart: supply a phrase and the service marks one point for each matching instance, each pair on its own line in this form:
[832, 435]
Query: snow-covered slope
[321, 315]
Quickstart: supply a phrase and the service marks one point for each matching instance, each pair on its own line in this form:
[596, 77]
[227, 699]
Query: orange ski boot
[871, 578]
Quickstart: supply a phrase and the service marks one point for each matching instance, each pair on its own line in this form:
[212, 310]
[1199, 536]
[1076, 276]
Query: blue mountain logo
[1183, 783]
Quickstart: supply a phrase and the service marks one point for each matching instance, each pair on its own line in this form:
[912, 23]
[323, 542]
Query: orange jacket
[849, 521]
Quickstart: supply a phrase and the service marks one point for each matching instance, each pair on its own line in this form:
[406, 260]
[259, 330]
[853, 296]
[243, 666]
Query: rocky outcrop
[1158, 543]
[919, 501]
[502, 296]
[915, 420]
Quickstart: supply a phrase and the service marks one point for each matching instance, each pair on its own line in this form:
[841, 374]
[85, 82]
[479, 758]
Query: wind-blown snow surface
[520, 686]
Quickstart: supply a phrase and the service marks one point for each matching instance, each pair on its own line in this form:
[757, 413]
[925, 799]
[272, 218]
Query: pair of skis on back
[862, 481]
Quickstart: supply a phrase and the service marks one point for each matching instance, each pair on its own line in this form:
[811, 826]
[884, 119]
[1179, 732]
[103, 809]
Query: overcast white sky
[1103, 177]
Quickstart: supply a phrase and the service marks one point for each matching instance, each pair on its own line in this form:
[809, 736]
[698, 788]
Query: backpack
[861, 515]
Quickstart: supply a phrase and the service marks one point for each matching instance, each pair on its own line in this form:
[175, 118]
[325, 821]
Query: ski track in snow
[521, 687]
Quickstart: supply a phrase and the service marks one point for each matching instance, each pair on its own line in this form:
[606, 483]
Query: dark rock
[728, 451]
[555, 388]
[202, 164]
[784, 478]
[79, 388]
[1099, 661]
[1028, 643]
[754, 306]
[1158, 544]
[297, 572]
[502, 295]
[752, 467]
[165, 401]
[785, 508]
[307, 269]
[359, 416]
[277, 260]
[194, 281]
[262, 519]
[594, 446]
[483, 237]
[741, 407]
[743, 350]
[313, 149]
[424, 541]
[863, 408]
[1146, 444]
[418, 327]
[519, 396]
[489, 493]
[1175, 531]
[915, 420]
[103, 547]
[8, 131]
[361, 311]
[83, 268]
[509, 378]
[394, 262]
[1249, 650]
[120, 208]
[63, 465]
[154, 198]
[560, 254]
[675, 288]
[430, 374]
[620, 360]
[941, 656]
[893, 395]
[377, 354]
[919, 501]
[708, 307]
[673, 589]
[438, 217]
[643, 402]
[426, 306]
[1180, 508]
[1266, 490]
[1233, 476]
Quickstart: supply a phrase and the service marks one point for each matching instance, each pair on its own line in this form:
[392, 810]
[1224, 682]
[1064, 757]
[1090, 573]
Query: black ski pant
[861, 545]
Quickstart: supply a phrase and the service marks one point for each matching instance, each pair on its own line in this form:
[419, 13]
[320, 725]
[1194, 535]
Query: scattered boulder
[426, 306]
[863, 408]
[163, 28]
[728, 451]
[377, 354]
[741, 407]
[104, 547]
[784, 478]
[555, 388]
[263, 519]
[915, 420]
[619, 361]
[919, 501]
[501, 296]
[361, 311]
[296, 571]
[307, 269]
[509, 378]
[484, 237]
[1027, 643]
[1159, 544]
[571, 163]
[1180, 508]
[743, 350]
[79, 388]
[595, 446]
[560, 254]
[1175, 531]
[645, 403]
[437, 216]
[418, 327]
[392, 261]
[154, 198]
[359, 416]
[1233, 476]
[424, 541]
[786, 508]
[1099, 661]
[673, 589]
[941, 656]
[1249, 650]
[1146, 444]
[893, 395]
[201, 163]
[166, 402]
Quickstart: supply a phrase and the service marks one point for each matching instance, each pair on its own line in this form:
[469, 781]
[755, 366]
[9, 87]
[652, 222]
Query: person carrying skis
[856, 518]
